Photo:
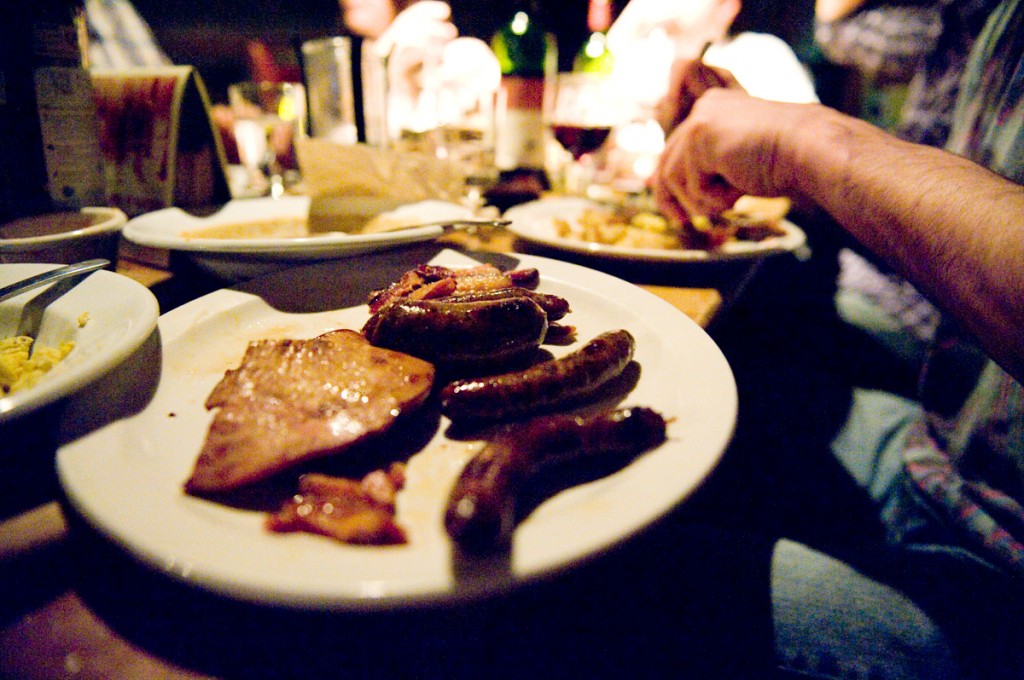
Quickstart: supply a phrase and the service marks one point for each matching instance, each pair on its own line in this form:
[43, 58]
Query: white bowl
[62, 237]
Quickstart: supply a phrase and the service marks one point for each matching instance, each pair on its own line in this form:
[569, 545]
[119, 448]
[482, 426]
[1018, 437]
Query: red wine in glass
[580, 140]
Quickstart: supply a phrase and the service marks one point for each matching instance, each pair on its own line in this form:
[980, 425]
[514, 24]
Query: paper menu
[158, 141]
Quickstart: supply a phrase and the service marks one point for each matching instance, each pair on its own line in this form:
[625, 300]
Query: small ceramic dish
[62, 237]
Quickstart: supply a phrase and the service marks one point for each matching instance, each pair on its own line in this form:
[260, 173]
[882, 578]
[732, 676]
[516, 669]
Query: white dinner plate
[126, 478]
[106, 315]
[534, 222]
[237, 259]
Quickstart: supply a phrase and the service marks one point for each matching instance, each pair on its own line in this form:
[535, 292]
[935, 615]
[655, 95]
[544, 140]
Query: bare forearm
[951, 227]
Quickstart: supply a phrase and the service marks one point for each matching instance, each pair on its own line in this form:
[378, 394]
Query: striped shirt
[966, 459]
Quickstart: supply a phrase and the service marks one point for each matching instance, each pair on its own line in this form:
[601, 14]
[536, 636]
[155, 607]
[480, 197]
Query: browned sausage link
[481, 510]
[554, 306]
[525, 278]
[410, 281]
[540, 387]
[440, 331]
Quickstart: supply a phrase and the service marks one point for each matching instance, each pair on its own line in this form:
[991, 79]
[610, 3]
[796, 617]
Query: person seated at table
[421, 48]
[945, 472]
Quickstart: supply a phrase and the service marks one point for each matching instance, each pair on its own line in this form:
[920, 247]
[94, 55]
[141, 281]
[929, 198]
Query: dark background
[213, 36]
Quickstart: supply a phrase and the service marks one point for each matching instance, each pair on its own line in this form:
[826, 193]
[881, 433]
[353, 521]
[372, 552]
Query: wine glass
[582, 116]
[268, 117]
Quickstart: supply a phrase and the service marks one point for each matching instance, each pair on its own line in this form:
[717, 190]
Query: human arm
[951, 227]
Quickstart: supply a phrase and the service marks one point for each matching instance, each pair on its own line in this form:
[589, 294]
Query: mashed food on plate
[21, 367]
[276, 227]
[751, 219]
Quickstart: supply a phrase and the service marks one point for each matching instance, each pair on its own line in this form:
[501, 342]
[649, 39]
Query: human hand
[688, 80]
[731, 144]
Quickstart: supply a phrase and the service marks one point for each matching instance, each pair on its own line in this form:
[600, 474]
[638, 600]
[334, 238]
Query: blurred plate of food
[53, 345]
[632, 229]
[224, 545]
[249, 237]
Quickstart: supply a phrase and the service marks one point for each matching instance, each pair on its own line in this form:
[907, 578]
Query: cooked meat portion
[347, 510]
[291, 401]
[429, 282]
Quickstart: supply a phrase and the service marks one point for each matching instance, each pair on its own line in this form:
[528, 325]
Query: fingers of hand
[687, 179]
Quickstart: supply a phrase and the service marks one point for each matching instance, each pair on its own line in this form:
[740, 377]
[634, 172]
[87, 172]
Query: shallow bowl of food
[246, 238]
[62, 237]
[74, 331]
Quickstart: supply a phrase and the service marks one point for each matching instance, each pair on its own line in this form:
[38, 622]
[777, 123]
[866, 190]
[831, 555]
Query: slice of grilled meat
[291, 401]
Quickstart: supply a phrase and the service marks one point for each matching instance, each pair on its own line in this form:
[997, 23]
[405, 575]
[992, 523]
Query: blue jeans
[833, 620]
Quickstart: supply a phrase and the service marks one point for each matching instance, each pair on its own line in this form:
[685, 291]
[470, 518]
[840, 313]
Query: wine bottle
[528, 55]
[49, 152]
[594, 56]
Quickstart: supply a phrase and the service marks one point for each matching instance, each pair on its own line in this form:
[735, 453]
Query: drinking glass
[327, 70]
[449, 110]
[582, 116]
[268, 118]
[467, 131]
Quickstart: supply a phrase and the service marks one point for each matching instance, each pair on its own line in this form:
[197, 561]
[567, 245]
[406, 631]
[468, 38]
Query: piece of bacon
[359, 512]
[428, 282]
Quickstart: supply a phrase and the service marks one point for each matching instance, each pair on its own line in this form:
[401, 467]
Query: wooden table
[51, 629]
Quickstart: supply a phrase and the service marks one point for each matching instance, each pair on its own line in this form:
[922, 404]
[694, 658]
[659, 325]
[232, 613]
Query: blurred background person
[921, 44]
[650, 36]
[409, 52]
[370, 18]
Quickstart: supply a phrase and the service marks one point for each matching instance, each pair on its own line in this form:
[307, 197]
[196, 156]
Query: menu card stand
[158, 140]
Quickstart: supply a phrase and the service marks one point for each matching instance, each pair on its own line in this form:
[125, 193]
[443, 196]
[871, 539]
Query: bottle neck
[524, 46]
[599, 16]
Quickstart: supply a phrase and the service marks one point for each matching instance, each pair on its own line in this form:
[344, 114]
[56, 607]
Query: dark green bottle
[528, 54]
[594, 56]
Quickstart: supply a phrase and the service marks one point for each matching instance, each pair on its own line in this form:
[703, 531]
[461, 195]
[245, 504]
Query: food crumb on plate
[21, 366]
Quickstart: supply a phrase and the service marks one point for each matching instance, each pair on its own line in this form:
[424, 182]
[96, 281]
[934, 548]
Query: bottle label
[523, 93]
[520, 141]
[49, 148]
[67, 121]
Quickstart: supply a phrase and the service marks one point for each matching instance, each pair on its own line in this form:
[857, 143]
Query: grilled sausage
[456, 332]
[481, 510]
[541, 387]
[554, 306]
